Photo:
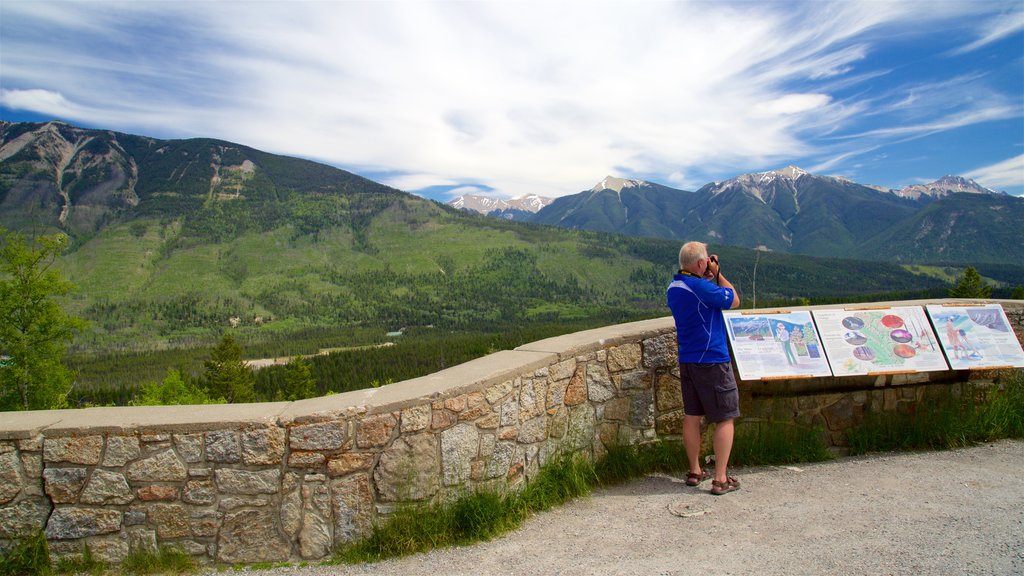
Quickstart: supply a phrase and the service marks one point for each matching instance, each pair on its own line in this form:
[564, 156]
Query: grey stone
[633, 379]
[74, 522]
[223, 446]
[73, 450]
[263, 446]
[190, 447]
[562, 370]
[534, 430]
[63, 485]
[33, 444]
[408, 469]
[231, 481]
[322, 436]
[107, 487]
[582, 423]
[532, 399]
[291, 513]
[109, 549]
[204, 523]
[23, 517]
[200, 492]
[236, 502]
[135, 517]
[141, 539]
[353, 507]
[641, 409]
[315, 535]
[10, 476]
[251, 536]
[599, 384]
[501, 459]
[661, 351]
[160, 467]
[459, 446]
[498, 391]
[120, 450]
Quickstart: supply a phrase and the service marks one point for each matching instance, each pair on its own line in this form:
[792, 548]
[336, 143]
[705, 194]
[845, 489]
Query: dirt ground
[949, 512]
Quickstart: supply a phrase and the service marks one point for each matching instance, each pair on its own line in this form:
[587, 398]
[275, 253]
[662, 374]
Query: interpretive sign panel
[976, 336]
[879, 341]
[769, 345]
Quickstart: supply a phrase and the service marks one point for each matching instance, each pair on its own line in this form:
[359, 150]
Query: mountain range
[790, 210]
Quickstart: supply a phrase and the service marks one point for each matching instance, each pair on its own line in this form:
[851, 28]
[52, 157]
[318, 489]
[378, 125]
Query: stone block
[559, 422]
[416, 419]
[576, 391]
[489, 422]
[668, 393]
[534, 430]
[73, 450]
[375, 431]
[457, 404]
[201, 492]
[670, 424]
[33, 444]
[599, 384]
[235, 502]
[562, 370]
[582, 424]
[641, 409]
[120, 451]
[496, 393]
[291, 513]
[349, 462]
[459, 446]
[263, 446]
[71, 522]
[617, 409]
[476, 407]
[205, 523]
[248, 536]
[532, 399]
[556, 394]
[409, 469]
[315, 535]
[442, 419]
[170, 520]
[304, 459]
[500, 460]
[661, 351]
[106, 488]
[223, 446]
[63, 485]
[322, 436]
[23, 517]
[633, 380]
[230, 481]
[10, 476]
[625, 357]
[352, 507]
[160, 467]
[109, 549]
[190, 447]
[157, 492]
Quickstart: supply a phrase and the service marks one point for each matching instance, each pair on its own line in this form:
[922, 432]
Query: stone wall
[289, 481]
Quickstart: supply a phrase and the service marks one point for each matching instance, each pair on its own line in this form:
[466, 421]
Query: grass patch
[980, 414]
[27, 555]
[163, 561]
[777, 442]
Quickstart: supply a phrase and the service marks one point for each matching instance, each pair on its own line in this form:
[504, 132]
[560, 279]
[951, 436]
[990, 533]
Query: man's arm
[715, 271]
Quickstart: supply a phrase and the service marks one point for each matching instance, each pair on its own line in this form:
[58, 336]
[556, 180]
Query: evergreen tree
[970, 285]
[1018, 293]
[227, 375]
[298, 381]
[34, 330]
[174, 390]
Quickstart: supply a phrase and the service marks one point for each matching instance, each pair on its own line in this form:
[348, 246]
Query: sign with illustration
[879, 341]
[977, 336]
[775, 345]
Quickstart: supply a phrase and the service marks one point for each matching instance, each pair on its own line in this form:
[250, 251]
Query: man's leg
[691, 441]
[723, 447]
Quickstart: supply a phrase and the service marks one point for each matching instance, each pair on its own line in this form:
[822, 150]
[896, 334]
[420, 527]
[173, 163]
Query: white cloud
[525, 97]
[1006, 174]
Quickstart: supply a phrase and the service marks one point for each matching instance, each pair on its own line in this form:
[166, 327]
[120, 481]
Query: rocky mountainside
[518, 208]
[791, 210]
[58, 176]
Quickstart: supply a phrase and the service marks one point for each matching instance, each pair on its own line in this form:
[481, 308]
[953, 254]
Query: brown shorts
[710, 390]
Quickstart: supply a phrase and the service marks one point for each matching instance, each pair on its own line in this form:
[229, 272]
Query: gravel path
[950, 512]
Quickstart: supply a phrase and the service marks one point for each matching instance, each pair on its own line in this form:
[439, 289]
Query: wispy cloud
[1003, 174]
[511, 97]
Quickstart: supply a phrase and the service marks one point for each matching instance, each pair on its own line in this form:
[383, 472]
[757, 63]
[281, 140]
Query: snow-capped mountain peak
[616, 184]
[943, 187]
[486, 204]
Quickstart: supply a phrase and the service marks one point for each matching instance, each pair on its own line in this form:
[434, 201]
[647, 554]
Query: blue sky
[510, 98]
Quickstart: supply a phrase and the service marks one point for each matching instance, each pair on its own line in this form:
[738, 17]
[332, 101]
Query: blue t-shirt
[697, 306]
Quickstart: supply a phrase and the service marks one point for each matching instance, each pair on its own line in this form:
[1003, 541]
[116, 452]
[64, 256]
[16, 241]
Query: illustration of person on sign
[782, 335]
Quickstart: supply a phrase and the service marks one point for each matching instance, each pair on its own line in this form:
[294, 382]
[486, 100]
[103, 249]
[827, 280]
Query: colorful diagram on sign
[976, 336]
[879, 341]
[775, 345]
